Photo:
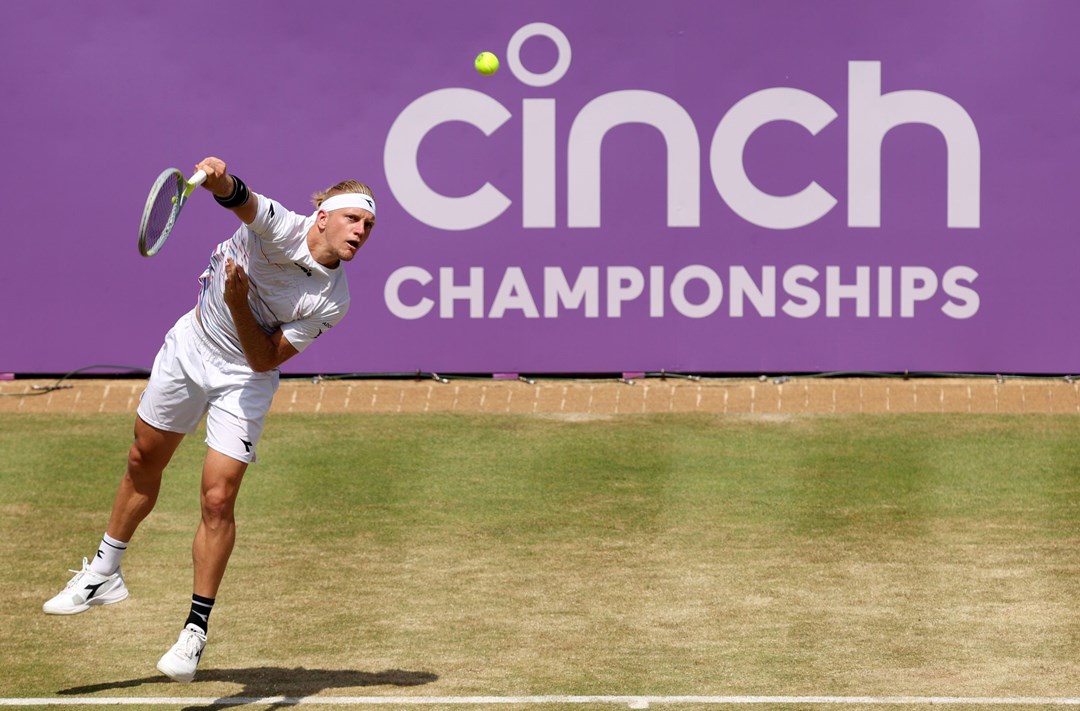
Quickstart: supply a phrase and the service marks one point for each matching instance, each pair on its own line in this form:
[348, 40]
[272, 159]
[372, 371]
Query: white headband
[364, 202]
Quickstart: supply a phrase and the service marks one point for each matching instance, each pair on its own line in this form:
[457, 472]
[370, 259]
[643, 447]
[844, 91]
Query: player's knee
[151, 450]
[143, 462]
[218, 506]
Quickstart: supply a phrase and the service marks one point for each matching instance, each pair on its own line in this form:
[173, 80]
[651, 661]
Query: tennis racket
[163, 205]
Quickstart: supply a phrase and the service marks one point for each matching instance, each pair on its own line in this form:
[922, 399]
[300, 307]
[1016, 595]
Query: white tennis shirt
[289, 289]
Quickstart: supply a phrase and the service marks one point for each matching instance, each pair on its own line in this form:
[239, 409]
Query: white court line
[633, 702]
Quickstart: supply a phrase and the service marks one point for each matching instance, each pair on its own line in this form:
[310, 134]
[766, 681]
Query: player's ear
[321, 219]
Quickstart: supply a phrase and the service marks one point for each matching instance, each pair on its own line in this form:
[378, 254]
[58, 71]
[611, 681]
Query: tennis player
[269, 291]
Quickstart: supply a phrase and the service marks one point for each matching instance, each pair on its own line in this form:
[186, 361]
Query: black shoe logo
[93, 589]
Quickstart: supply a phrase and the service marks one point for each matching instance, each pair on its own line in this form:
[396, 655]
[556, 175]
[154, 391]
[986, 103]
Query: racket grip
[198, 179]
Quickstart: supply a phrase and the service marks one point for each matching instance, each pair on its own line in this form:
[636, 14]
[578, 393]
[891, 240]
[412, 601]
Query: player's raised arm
[229, 190]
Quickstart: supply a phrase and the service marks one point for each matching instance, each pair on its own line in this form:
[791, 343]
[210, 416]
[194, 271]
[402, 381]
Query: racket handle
[198, 179]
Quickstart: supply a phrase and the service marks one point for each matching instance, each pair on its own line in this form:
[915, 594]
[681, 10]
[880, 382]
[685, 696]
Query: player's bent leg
[137, 494]
[135, 498]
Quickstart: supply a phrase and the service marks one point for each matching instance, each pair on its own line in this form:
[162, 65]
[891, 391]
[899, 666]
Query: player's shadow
[264, 682]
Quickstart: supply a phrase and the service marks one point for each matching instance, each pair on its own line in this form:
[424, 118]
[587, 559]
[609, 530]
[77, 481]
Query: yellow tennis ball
[487, 63]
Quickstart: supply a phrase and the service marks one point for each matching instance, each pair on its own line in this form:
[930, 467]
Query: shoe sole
[93, 602]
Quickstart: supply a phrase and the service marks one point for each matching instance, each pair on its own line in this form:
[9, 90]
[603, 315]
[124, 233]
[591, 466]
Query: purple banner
[736, 186]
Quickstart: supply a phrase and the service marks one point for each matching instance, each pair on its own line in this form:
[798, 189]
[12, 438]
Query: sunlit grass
[885, 555]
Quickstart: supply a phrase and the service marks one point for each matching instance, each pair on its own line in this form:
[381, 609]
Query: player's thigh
[152, 448]
[175, 398]
[237, 414]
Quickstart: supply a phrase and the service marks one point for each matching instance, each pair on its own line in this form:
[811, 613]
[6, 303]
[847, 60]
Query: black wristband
[240, 195]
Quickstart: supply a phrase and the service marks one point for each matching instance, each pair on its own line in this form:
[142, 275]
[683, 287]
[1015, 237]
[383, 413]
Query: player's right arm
[263, 351]
[223, 185]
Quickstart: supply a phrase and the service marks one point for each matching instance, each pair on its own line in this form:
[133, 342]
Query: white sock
[109, 553]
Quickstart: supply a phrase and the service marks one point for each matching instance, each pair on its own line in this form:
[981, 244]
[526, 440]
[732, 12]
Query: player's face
[346, 231]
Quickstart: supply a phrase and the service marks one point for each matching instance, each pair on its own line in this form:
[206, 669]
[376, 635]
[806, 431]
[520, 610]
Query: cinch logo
[871, 115]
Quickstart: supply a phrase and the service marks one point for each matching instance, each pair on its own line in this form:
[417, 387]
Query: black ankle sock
[200, 612]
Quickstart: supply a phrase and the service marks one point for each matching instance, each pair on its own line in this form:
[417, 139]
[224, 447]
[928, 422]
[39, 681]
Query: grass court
[454, 555]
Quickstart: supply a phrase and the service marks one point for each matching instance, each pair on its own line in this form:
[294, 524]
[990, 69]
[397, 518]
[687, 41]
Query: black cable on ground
[58, 385]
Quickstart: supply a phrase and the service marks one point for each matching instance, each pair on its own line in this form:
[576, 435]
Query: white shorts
[191, 378]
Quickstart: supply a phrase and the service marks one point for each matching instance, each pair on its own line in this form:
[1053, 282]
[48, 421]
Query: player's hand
[218, 180]
[236, 285]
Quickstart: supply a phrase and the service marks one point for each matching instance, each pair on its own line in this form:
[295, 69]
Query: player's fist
[236, 285]
[218, 180]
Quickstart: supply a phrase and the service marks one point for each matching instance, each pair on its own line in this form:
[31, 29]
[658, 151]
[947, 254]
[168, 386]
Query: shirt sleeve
[273, 223]
[303, 333]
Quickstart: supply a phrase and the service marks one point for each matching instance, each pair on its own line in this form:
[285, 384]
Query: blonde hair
[345, 186]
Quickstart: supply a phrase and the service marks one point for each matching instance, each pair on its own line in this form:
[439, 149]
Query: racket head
[159, 214]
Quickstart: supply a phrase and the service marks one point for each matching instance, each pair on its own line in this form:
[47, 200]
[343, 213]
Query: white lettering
[392, 293]
[916, 284]
[473, 292]
[538, 163]
[623, 284]
[726, 158]
[871, 115]
[538, 29]
[401, 156]
[513, 294]
[763, 298]
[968, 298]
[557, 290]
[621, 107]
[656, 292]
[678, 291]
[885, 292]
[835, 290]
[805, 300]
[800, 284]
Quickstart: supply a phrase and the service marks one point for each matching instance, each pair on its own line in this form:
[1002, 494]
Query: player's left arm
[263, 351]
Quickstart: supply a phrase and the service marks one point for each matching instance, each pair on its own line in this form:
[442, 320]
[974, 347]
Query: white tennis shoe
[86, 590]
[179, 663]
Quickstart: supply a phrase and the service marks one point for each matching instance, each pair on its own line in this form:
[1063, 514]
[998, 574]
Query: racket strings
[162, 213]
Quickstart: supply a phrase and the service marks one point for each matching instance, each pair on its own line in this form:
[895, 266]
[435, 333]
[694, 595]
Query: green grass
[443, 555]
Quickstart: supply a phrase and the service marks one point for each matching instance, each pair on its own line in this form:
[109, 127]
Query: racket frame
[184, 190]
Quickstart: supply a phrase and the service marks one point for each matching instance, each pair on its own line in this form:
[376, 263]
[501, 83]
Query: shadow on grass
[263, 682]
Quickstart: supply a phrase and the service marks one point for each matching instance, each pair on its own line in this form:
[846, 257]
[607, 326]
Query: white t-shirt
[289, 289]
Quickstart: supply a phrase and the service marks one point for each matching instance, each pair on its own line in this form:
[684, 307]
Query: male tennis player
[268, 293]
